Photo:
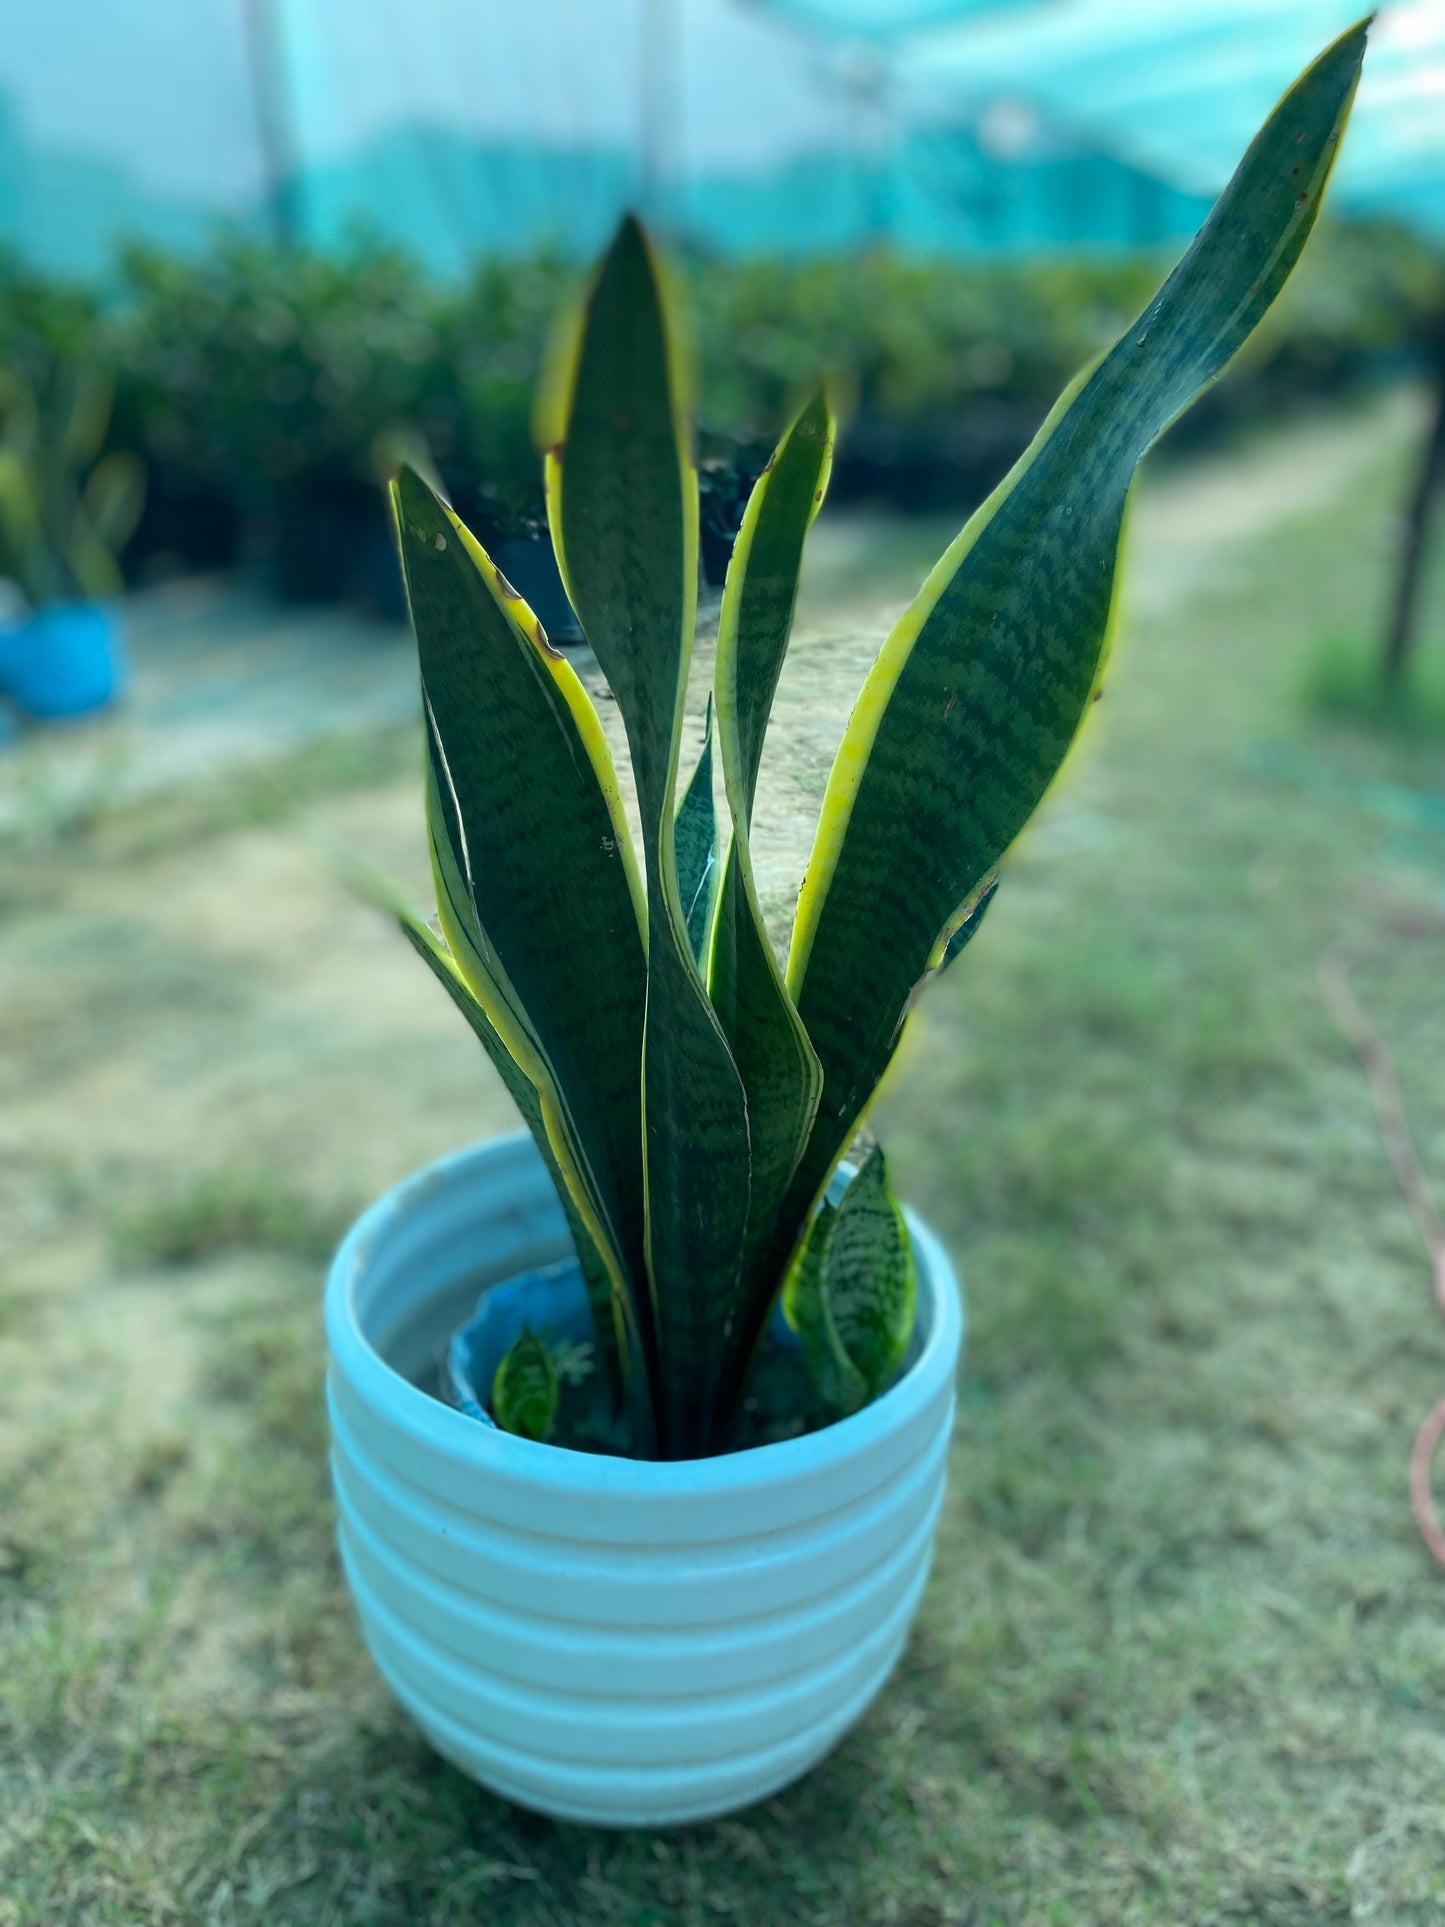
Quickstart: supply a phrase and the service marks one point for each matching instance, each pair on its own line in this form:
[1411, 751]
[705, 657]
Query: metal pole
[863, 72]
[273, 120]
[660, 99]
[1401, 634]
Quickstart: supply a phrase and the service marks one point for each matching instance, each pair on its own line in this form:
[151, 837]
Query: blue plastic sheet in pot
[551, 1302]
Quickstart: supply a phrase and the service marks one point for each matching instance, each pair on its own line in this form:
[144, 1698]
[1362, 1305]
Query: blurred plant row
[266, 394]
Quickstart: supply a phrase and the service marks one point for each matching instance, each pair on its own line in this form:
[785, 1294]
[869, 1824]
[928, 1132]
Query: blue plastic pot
[605, 1639]
[63, 661]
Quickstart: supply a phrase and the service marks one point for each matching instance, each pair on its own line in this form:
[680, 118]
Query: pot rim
[450, 1434]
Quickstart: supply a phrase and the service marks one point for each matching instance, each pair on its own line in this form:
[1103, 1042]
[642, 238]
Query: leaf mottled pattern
[532, 872]
[978, 693]
[622, 501]
[778, 1065]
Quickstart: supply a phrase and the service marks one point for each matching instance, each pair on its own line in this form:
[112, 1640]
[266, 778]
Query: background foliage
[266, 391]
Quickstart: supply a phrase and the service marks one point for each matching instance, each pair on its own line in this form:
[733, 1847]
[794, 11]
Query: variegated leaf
[537, 892]
[779, 1068]
[968, 713]
[697, 860]
[869, 1273]
[850, 1292]
[840, 1386]
[622, 502]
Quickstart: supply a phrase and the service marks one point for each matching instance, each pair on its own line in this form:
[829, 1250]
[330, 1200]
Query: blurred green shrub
[947, 368]
[265, 392]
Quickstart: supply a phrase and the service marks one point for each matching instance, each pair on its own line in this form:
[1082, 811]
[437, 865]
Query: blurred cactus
[66, 508]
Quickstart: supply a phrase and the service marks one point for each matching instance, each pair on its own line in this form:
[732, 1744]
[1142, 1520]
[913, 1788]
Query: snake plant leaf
[471, 964]
[840, 1386]
[696, 835]
[525, 1389]
[762, 587]
[88, 393]
[19, 506]
[608, 1307]
[622, 505]
[608, 1302]
[869, 1276]
[968, 926]
[113, 497]
[105, 519]
[977, 694]
[537, 891]
[779, 1068]
[850, 1292]
[466, 966]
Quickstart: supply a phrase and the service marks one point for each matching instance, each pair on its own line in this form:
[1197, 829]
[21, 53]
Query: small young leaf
[695, 832]
[524, 1391]
[868, 1276]
[840, 1385]
[802, 1288]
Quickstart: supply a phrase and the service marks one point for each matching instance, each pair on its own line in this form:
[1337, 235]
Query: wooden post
[1401, 635]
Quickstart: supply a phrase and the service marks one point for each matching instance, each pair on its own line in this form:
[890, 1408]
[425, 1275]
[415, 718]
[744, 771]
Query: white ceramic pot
[598, 1638]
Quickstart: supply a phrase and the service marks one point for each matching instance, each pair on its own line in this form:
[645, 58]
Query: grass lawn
[1183, 1657]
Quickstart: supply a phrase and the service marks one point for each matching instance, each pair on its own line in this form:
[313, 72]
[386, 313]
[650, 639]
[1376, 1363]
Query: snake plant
[691, 1097]
[66, 508]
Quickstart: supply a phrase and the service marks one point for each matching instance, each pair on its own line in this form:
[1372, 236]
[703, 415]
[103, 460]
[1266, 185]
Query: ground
[1183, 1657]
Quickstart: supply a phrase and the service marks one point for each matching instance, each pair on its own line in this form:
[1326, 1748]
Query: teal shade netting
[1178, 89]
[463, 130]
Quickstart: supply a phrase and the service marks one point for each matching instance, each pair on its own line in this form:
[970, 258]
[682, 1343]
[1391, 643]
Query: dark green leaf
[780, 1071]
[536, 888]
[609, 1310]
[980, 689]
[869, 1276]
[840, 1386]
[622, 500]
[609, 1302]
[696, 832]
[697, 1193]
[850, 1292]
[762, 588]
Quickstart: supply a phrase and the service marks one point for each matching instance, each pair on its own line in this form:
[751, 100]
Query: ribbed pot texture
[598, 1638]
